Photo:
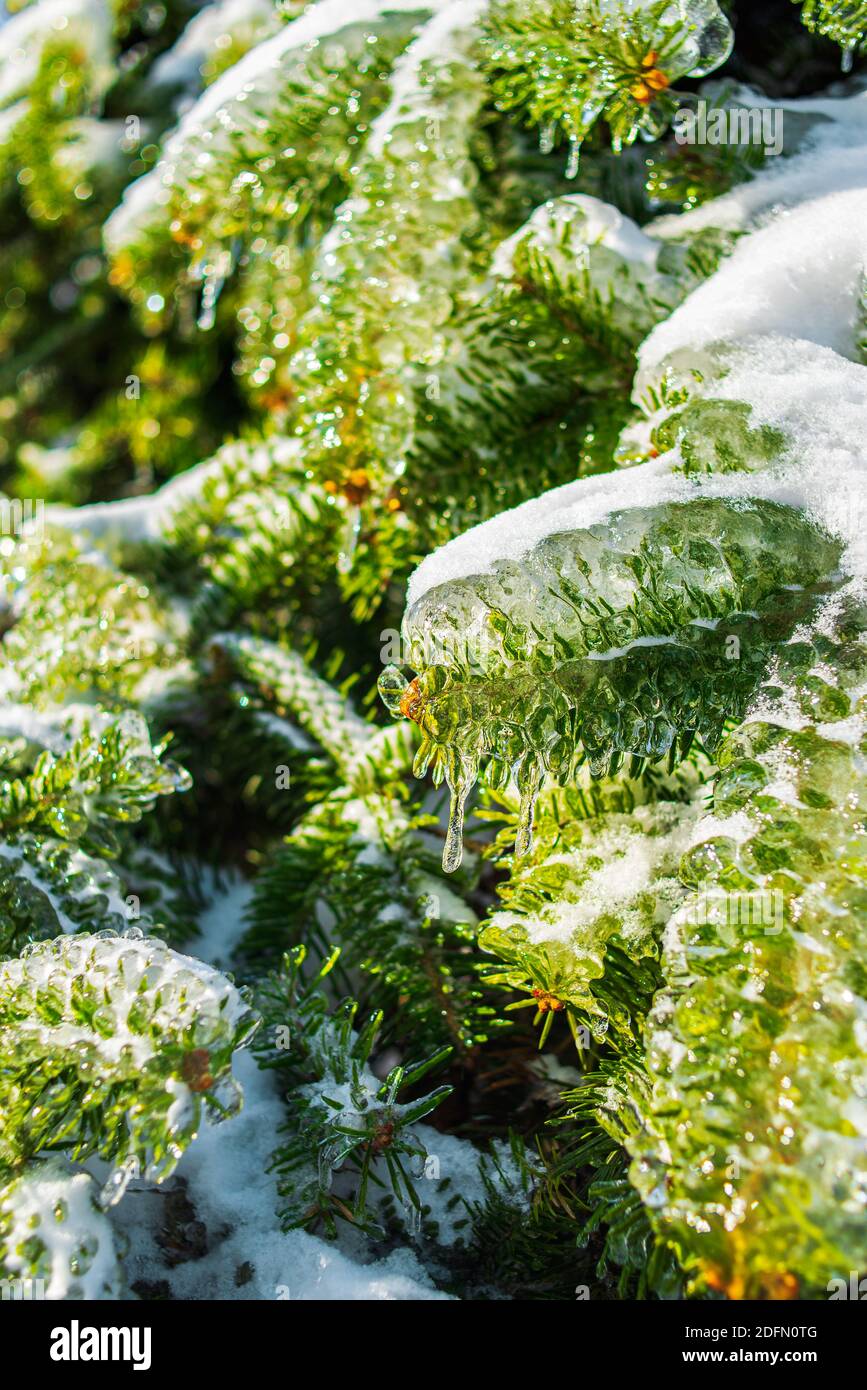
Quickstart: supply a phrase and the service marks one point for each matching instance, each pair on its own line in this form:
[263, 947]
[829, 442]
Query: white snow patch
[236, 1197]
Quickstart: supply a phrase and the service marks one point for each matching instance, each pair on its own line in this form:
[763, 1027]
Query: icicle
[453, 852]
[574, 157]
[546, 138]
[211, 288]
[847, 58]
[412, 1217]
[118, 1181]
[328, 1158]
[529, 785]
[349, 539]
[214, 274]
[617, 144]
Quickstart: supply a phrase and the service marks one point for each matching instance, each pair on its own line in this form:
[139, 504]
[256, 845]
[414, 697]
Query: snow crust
[146, 518]
[800, 277]
[234, 1195]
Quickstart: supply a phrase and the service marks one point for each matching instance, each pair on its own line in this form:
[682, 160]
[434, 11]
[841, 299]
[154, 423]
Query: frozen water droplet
[709, 39]
[847, 58]
[454, 847]
[574, 157]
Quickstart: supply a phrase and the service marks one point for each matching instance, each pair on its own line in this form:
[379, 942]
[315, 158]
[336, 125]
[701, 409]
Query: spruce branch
[344, 1124]
[565, 66]
[117, 1046]
[527, 687]
[363, 862]
[843, 21]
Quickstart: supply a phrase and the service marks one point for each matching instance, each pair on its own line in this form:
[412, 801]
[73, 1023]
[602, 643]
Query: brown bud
[195, 1070]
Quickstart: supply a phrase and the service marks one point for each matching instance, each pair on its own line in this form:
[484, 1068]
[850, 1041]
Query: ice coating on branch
[412, 192]
[606, 641]
[149, 517]
[260, 67]
[842, 21]
[760, 1026]
[748, 1141]
[629, 856]
[802, 276]
[443, 39]
[52, 1232]
[225, 105]
[319, 708]
[122, 1026]
[815, 400]
[184, 989]
[763, 346]
[590, 897]
[708, 39]
[596, 223]
[565, 67]
[509, 537]
[59, 886]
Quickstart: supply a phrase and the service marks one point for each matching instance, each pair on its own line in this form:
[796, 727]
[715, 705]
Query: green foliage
[82, 792]
[376, 325]
[571, 682]
[275, 156]
[574, 943]
[566, 66]
[596, 1119]
[365, 862]
[116, 1046]
[341, 1119]
[844, 21]
[753, 1045]
[687, 175]
[48, 887]
[349, 258]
